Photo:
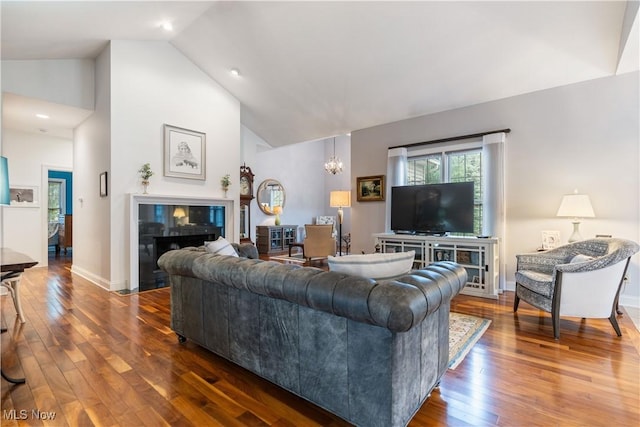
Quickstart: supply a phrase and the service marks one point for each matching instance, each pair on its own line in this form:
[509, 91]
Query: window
[450, 166]
[425, 170]
[56, 206]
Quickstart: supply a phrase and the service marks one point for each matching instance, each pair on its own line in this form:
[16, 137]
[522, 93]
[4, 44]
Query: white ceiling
[310, 70]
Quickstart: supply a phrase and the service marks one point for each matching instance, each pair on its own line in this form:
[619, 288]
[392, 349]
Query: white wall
[153, 84]
[583, 136]
[300, 169]
[61, 81]
[139, 86]
[91, 213]
[22, 228]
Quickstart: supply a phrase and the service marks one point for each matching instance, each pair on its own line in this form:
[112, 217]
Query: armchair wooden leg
[614, 323]
[516, 302]
[555, 319]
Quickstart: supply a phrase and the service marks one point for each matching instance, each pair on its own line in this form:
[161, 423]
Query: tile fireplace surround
[135, 200]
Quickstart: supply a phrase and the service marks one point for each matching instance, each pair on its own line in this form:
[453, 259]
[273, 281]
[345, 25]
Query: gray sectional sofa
[369, 352]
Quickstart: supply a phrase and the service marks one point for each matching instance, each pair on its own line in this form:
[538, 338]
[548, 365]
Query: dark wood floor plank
[98, 358]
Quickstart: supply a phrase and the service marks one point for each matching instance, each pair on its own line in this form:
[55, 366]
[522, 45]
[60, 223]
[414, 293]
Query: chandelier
[334, 165]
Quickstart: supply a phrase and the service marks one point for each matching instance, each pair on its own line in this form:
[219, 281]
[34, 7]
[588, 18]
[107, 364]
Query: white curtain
[493, 222]
[396, 175]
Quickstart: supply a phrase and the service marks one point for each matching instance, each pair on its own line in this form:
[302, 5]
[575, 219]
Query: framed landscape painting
[184, 153]
[370, 188]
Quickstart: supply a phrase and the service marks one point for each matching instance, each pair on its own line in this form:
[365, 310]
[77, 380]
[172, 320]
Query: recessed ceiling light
[235, 72]
[42, 116]
[167, 26]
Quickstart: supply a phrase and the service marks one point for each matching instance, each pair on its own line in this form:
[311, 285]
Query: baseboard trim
[96, 280]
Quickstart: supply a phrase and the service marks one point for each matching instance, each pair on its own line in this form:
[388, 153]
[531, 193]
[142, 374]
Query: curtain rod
[453, 138]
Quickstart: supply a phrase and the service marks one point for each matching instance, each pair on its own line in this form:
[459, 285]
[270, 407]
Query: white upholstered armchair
[581, 279]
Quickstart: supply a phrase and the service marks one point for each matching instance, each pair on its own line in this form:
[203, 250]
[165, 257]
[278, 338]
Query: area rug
[464, 331]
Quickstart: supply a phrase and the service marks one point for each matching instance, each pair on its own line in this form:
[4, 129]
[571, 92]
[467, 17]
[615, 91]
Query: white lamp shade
[340, 199]
[576, 206]
[179, 213]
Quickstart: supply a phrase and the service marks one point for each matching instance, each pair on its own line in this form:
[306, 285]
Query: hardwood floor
[97, 358]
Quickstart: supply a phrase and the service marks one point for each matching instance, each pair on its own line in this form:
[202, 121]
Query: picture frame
[103, 184]
[24, 196]
[550, 239]
[370, 188]
[184, 153]
[463, 257]
[442, 255]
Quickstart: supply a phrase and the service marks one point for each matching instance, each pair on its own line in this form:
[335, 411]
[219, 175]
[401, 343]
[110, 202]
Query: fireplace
[162, 223]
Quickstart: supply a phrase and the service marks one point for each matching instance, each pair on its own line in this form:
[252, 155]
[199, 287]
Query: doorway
[59, 213]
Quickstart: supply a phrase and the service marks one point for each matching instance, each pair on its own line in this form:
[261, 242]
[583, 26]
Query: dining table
[13, 264]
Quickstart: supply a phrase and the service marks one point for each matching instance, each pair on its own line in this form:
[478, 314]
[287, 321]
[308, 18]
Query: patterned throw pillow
[220, 247]
[374, 266]
[321, 220]
[325, 220]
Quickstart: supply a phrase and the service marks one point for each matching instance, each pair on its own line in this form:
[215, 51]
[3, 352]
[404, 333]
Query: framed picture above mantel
[184, 153]
[370, 188]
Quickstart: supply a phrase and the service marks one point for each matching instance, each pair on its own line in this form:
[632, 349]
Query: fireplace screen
[162, 228]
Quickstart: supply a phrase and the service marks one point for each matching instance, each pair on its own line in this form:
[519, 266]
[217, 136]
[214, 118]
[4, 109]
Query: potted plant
[225, 182]
[145, 173]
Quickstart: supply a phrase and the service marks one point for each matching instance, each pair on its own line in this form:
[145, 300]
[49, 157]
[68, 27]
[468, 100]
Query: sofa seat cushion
[373, 266]
[537, 282]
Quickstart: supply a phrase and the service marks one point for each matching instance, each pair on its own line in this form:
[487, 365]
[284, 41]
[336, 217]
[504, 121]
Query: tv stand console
[479, 256]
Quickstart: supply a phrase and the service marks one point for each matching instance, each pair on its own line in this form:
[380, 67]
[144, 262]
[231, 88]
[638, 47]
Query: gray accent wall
[583, 136]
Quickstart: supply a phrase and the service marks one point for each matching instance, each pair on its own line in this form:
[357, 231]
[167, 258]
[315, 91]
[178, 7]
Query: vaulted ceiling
[310, 70]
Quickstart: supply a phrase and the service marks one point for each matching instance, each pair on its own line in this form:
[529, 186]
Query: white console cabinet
[479, 256]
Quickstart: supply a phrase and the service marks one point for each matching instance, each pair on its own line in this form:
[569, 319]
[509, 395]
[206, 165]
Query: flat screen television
[432, 208]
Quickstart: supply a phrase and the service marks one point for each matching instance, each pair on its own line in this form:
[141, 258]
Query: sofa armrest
[543, 262]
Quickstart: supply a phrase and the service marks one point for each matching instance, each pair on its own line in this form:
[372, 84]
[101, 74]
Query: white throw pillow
[374, 266]
[220, 247]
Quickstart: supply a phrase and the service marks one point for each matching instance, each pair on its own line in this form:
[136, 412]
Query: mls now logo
[23, 414]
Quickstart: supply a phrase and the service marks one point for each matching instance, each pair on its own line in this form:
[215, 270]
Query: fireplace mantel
[136, 199]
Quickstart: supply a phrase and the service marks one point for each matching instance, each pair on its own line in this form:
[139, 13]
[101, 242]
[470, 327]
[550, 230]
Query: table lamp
[179, 213]
[576, 206]
[340, 199]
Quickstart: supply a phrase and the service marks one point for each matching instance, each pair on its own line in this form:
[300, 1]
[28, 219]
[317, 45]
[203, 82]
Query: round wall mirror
[270, 195]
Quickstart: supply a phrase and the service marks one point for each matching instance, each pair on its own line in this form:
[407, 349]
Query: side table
[296, 245]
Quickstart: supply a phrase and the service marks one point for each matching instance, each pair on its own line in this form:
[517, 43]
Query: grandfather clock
[246, 195]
